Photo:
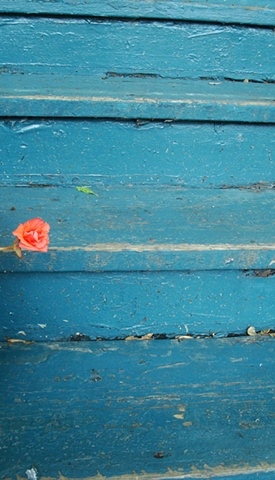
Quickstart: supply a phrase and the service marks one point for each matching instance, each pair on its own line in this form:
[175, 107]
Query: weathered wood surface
[115, 47]
[191, 154]
[55, 307]
[73, 410]
[256, 12]
[180, 239]
[141, 227]
[144, 219]
[194, 409]
[127, 98]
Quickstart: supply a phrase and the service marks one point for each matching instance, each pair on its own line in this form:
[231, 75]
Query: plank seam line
[158, 17]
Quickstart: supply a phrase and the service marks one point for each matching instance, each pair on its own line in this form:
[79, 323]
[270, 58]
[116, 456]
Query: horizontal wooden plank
[143, 227]
[148, 410]
[153, 98]
[84, 46]
[56, 307]
[257, 12]
[74, 152]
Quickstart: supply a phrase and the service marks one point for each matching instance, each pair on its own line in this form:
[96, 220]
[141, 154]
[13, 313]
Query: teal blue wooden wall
[165, 110]
[170, 122]
[147, 410]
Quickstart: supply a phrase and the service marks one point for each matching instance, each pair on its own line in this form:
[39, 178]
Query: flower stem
[7, 249]
[14, 248]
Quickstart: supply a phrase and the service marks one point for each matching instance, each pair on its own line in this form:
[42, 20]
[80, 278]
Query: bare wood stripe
[192, 101]
[164, 247]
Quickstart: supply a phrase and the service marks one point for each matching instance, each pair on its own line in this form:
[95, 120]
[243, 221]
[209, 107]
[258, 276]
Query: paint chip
[229, 260]
[181, 408]
[32, 474]
[187, 424]
[19, 340]
[251, 331]
[148, 336]
[180, 416]
[184, 337]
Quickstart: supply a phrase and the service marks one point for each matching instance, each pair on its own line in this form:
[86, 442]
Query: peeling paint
[215, 402]
[172, 365]
[208, 472]
[96, 103]
[187, 424]
[142, 9]
[32, 474]
[19, 340]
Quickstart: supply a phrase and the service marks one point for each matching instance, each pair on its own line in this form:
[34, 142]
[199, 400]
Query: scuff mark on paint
[207, 33]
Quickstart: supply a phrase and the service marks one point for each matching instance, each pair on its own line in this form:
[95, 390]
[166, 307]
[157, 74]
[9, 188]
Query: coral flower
[33, 235]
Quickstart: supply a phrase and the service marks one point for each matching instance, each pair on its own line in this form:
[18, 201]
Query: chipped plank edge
[208, 472]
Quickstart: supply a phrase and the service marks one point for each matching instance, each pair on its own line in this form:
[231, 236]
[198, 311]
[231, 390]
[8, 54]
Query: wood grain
[165, 110]
[141, 227]
[107, 48]
[73, 152]
[255, 12]
[142, 98]
[119, 408]
[54, 307]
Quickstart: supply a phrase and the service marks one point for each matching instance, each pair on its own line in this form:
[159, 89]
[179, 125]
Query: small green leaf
[86, 190]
